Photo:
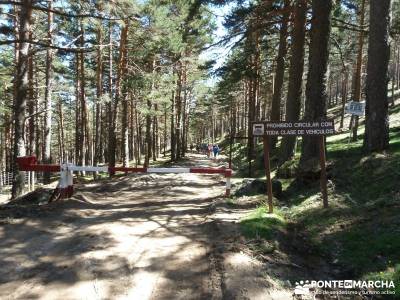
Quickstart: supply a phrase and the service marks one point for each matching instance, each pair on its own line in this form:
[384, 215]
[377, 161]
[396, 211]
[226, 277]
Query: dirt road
[135, 237]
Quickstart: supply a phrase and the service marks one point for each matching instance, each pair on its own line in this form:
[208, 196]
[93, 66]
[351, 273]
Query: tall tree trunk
[251, 116]
[233, 119]
[337, 90]
[9, 126]
[280, 71]
[184, 110]
[61, 133]
[132, 147]
[111, 130]
[118, 95]
[398, 67]
[48, 94]
[357, 79]
[155, 134]
[38, 118]
[293, 102]
[99, 94]
[149, 144]
[124, 98]
[125, 132]
[344, 96]
[85, 143]
[138, 136]
[178, 105]
[330, 84]
[393, 89]
[165, 131]
[377, 119]
[21, 94]
[245, 109]
[78, 135]
[172, 124]
[315, 106]
[31, 107]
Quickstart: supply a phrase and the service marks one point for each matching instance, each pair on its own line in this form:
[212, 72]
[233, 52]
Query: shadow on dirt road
[135, 237]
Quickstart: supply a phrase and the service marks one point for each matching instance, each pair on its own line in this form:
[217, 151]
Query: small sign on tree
[355, 108]
[258, 129]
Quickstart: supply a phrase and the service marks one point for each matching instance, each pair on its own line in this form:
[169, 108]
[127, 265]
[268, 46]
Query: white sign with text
[355, 108]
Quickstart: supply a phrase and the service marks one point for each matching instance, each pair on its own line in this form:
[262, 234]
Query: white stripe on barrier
[228, 183]
[63, 177]
[168, 170]
[87, 169]
[70, 178]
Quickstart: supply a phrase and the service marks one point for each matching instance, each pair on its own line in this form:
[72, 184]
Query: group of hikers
[207, 149]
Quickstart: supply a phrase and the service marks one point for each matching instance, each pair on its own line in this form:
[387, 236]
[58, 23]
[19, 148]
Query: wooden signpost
[300, 128]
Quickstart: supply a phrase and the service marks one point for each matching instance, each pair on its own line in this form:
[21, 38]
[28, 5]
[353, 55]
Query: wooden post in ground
[267, 129]
[324, 181]
[268, 173]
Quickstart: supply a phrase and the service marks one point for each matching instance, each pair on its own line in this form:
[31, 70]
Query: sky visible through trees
[126, 81]
[219, 53]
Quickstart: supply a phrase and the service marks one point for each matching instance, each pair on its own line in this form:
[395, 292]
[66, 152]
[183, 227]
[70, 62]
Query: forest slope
[358, 235]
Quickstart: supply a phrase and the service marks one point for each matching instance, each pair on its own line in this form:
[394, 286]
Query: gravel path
[135, 237]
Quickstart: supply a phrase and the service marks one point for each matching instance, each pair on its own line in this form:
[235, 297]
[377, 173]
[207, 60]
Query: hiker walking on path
[216, 151]
[210, 150]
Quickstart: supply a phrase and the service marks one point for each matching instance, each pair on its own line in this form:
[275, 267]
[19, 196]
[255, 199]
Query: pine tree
[377, 123]
[316, 97]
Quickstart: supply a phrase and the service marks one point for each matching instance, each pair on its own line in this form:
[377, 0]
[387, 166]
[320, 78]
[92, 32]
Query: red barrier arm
[26, 161]
[29, 163]
[43, 168]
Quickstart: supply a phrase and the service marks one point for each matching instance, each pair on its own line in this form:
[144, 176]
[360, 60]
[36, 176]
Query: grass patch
[260, 224]
[365, 249]
[366, 179]
[231, 201]
[390, 274]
